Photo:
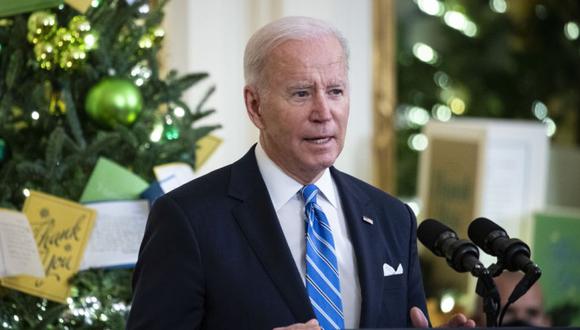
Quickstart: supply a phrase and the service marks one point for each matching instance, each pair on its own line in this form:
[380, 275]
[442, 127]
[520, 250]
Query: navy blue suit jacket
[214, 257]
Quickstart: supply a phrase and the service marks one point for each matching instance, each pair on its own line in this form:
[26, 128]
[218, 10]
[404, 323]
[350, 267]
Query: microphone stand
[487, 290]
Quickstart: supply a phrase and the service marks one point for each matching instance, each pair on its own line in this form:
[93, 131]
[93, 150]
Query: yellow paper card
[61, 229]
[206, 146]
[80, 5]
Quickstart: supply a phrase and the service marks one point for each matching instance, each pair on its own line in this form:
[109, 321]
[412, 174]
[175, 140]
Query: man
[528, 310]
[280, 237]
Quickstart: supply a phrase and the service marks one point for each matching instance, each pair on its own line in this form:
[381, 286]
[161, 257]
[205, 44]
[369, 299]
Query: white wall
[211, 35]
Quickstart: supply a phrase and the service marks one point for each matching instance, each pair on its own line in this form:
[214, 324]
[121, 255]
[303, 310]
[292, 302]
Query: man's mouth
[319, 140]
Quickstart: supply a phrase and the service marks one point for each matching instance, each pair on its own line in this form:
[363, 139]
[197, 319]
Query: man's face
[528, 309]
[302, 105]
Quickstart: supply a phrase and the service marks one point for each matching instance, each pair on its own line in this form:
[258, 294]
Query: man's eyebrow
[300, 85]
[336, 84]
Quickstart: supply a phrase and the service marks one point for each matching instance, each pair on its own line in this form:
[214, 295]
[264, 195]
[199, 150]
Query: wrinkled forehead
[310, 54]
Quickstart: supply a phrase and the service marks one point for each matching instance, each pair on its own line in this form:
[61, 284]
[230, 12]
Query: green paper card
[13, 7]
[110, 181]
[556, 250]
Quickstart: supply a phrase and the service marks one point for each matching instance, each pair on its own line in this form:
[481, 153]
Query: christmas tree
[77, 86]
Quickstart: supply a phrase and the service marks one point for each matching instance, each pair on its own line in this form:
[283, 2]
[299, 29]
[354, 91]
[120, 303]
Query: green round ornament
[114, 101]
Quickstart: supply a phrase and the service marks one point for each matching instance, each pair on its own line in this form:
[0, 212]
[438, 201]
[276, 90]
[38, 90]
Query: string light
[156, 134]
[540, 110]
[550, 126]
[431, 7]
[457, 106]
[441, 112]
[447, 303]
[418, 142]
[571, 31]
[418, 116]
[498, 6]
[425, 53]
[460, 22]
[144, 9]
[179, 112]
[441, 79]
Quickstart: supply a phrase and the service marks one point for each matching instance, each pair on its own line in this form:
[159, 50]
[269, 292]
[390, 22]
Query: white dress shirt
[285, 195]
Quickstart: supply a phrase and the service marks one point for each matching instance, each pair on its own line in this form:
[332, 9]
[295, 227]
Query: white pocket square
[390, 271]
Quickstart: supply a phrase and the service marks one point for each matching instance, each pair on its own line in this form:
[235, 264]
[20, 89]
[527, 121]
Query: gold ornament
[72, 57]
[57, 105]
[45, 54]
[44, 50]
[41, 25]
[79, 26]
[63, 38]
[60, 46]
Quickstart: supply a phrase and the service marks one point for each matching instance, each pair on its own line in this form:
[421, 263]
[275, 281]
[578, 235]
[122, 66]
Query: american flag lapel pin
[367, 220]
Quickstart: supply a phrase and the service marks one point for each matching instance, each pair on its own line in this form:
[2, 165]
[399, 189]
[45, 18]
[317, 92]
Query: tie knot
[309, 193]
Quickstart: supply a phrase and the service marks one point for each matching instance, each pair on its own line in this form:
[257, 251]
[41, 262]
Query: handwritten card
[556, 249]
[173, 175]
[61, 229]
[110, 181]
[18, 251]
[117, 235]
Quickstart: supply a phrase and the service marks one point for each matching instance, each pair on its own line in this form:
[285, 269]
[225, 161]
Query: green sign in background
[557, 250]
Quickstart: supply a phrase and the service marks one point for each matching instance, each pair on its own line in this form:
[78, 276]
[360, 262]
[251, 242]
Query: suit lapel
[365, 240]
[258, 221]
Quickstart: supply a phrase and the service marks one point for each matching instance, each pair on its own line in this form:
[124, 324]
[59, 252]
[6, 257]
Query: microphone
[512, 253]
[461, 255]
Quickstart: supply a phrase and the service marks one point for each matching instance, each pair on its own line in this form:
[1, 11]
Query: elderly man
[280, 237]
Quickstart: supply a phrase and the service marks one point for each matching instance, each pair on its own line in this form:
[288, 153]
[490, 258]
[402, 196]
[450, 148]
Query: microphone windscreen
[429, 231]
[479, 230]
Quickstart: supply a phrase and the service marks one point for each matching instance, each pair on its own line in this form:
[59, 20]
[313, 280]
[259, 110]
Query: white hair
[276, 33]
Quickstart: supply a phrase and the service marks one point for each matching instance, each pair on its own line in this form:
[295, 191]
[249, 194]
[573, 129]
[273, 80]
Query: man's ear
[253, 106]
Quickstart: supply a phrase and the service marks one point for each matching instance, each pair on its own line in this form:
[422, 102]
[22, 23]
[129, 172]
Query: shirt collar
[282, 187]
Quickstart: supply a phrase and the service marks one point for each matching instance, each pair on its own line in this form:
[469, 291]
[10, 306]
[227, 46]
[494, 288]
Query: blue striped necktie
[322, 282]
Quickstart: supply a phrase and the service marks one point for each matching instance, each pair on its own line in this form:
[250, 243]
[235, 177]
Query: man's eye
[533, 312]
[336, 91]
[301, 94]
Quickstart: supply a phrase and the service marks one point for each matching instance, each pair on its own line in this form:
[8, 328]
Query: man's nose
[321, 110]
